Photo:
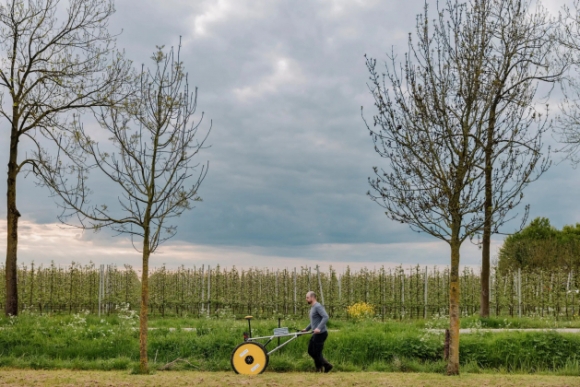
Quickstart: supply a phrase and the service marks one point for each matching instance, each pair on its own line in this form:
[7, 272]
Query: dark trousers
[315, 347]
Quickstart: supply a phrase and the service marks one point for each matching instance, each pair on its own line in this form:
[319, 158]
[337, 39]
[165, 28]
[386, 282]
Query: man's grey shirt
[318, 317]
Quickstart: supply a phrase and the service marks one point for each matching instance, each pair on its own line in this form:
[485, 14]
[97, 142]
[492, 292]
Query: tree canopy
[541, 245]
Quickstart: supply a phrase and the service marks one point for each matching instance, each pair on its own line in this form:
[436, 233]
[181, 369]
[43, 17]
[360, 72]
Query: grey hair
[311, 294]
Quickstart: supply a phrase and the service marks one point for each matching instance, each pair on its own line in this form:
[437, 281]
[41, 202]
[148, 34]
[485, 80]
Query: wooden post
[382, 284]
[393, 278]
[31, 283]
[571, 280]
[366, 286]
[568, 290]
[295, 291]
[320, 285]
[402, 293]
[100, 287]
[107, 287]
[340, 288]
[276, 291]
[542, 292]
[208, 288]
[425, 295]
[520, 292]
[491, 276]
[202, 299]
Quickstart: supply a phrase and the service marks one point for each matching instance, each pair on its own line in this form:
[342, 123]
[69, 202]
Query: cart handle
[276, 336]
[294, 337]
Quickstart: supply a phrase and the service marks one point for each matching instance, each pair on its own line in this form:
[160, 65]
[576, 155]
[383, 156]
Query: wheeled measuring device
[251, 357]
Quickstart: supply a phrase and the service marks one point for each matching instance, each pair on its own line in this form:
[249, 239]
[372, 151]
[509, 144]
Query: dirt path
[478, 330]
[14, 378]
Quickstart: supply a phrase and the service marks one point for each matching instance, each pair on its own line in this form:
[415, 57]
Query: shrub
[361, 310]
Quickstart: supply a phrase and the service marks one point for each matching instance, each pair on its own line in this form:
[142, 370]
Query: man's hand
[316, 331]
[304, 330]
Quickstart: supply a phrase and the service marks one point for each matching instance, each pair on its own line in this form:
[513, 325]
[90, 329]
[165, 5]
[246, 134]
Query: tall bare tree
[522, 52]
[155, 139]
[50, 66]
[478, 70]
[515, 49]
[430, 117]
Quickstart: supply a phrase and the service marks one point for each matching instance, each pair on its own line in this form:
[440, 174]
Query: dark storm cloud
[283, 83]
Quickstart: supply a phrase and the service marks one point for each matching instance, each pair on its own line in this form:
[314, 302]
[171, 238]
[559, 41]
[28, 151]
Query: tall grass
[87, 342]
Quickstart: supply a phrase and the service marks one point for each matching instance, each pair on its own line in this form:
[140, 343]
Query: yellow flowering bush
[361, 310]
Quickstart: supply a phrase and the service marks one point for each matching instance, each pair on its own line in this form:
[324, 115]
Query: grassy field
[188, 378]
[89, 343]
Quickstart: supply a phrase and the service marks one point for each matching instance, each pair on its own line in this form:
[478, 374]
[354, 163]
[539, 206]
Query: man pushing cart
[251, 357]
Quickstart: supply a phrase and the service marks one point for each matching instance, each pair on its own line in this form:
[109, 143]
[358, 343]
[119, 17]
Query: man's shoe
[327, 367]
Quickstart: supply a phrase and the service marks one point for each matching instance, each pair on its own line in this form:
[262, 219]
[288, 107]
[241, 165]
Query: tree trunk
[453, 362]
[143, 364]
[488, 217]
[485, 259]
[12, 215]
[485, 250]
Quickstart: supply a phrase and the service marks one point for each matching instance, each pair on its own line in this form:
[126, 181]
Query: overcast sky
[283, 82]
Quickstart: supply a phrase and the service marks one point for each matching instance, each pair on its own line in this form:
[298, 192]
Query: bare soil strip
[67, 378]
[501, 330]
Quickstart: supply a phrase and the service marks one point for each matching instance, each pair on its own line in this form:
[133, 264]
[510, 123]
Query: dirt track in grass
[192, 378]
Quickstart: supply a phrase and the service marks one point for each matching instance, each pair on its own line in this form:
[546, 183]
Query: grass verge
[84, 342]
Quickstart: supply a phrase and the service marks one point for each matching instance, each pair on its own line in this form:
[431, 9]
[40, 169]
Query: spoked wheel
[249, 359]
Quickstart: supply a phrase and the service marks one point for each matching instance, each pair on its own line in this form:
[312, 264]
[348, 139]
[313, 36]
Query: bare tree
[479, 69]
[48, 68]
[568, 129]
[430, 117]
[155, 140]
[522, 53]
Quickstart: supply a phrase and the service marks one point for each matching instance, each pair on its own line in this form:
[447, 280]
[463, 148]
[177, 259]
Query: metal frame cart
[251, 357]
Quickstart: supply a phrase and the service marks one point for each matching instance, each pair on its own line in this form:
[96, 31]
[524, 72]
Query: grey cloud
[283, 82]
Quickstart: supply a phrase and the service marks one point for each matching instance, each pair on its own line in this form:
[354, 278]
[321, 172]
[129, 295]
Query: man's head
[310, 297]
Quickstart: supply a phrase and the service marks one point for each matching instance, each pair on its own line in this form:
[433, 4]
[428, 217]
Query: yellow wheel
[249, 359]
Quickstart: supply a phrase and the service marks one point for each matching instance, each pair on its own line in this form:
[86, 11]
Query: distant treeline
[542, 246]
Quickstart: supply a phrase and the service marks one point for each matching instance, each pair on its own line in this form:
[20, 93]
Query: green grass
[434, 322]
[517, 323]
[86, 342]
